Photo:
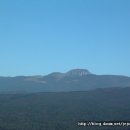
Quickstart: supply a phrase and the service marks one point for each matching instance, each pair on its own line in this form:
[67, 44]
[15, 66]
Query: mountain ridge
[73, 80]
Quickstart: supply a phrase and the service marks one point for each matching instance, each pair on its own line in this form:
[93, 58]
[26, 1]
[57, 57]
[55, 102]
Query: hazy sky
[41, 36]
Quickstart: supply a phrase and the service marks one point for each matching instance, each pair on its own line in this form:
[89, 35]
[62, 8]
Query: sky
[38, 37]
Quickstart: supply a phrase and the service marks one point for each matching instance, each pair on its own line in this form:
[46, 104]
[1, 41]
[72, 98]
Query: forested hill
[62, 110]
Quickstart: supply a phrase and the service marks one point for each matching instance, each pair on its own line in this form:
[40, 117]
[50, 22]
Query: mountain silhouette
[73, 80]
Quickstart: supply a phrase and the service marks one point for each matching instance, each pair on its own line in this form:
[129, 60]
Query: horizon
[63, 73]
[41, 37]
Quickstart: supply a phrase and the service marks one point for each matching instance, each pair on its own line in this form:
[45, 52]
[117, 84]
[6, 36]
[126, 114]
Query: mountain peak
[71, 73]
[56, 75]
[78, 72]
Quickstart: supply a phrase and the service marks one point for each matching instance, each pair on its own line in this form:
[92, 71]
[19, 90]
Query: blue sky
[38, 37]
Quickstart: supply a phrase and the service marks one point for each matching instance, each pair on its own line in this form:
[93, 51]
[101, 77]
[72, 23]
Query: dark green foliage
[63, 110]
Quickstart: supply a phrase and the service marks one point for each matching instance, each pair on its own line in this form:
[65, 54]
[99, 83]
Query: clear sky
[38, 37]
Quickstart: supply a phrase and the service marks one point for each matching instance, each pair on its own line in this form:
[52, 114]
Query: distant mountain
[73, 80]
[71, 73]
[78, 72]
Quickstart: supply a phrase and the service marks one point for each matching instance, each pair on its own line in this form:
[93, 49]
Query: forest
[63, 110]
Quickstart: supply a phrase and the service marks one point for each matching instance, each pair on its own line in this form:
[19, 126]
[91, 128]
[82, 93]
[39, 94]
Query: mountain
[59, 100]
[71, 73]
[63, 110]
[78, 72]
[73, 80]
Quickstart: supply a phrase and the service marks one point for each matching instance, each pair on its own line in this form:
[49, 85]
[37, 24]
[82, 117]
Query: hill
[63, 110]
